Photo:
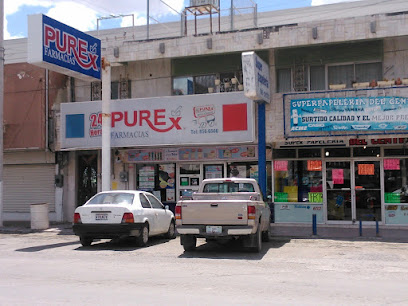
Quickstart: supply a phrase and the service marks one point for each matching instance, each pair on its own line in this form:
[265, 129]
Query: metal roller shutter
[27, 184]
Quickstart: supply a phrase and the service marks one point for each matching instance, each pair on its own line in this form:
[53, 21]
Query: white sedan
[123, 213]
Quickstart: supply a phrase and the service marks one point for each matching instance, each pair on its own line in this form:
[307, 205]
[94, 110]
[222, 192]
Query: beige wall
[395, 63]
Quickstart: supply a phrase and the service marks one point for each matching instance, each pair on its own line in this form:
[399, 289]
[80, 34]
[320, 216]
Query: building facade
[336, 127]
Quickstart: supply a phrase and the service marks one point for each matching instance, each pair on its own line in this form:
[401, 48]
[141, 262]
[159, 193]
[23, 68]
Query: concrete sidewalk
[323, 231]
[15, 227]
[368, 232]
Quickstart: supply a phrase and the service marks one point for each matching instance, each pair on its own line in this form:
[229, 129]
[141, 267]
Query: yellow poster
[114, 185]
[292, 192]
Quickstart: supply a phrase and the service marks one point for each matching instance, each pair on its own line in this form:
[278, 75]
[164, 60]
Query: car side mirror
[166, 207]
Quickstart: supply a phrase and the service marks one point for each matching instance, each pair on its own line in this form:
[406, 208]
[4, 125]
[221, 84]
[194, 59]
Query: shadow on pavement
[232, 250]
[120, 244]
[47, 246]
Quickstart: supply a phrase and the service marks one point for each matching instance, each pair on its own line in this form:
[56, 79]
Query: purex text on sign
[153, 119]
[61, 48]
[69, 48]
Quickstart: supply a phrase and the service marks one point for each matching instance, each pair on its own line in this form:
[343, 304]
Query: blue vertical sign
[61, 48]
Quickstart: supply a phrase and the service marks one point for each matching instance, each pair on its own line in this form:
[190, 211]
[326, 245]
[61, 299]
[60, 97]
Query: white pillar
[106, 125]
[1, 107]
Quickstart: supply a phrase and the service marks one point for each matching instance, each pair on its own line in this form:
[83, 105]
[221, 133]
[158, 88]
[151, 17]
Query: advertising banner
[256, 77]
[61, 48]
[350, 113]
[175, 120]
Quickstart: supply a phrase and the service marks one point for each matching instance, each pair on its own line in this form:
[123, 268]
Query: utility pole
[1, 106]
[148, 19]
[232, 15]
[106, 125]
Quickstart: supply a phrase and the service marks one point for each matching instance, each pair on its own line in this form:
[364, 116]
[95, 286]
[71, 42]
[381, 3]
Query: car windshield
[112, 198]
[227, 187]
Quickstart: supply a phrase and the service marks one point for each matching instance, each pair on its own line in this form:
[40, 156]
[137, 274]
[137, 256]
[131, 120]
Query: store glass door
[189, 178]
[353, 191]
[367, 190]
[338, 191]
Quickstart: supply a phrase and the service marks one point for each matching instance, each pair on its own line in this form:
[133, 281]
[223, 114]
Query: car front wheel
[85, 241]
[143, 238]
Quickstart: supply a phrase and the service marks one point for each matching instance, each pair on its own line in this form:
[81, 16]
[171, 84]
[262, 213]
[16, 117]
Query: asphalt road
[52, 268]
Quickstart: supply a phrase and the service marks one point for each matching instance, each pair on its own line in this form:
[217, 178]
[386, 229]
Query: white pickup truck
[224, 208]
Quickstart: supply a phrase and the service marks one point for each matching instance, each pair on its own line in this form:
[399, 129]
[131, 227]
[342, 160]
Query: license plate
[101, 217]
[213, 229]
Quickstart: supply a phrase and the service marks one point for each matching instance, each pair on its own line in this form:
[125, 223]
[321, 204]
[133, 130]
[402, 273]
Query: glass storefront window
[203, 82]
[250, 170]
[337, 152]
[305, 153]
[284, 153]
[396, 190]
[368, 190]
[159, 179]
[298, 181]
[213, 171]
[190, 169]
[338, 188]
[183, 86]
[366, 151]
[395, 180]
[395, 152]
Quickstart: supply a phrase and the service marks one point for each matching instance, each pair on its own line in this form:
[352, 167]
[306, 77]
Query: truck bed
[225, 196]
[215, 212]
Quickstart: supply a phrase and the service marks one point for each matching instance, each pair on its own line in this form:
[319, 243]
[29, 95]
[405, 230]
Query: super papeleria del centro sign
[61, 48]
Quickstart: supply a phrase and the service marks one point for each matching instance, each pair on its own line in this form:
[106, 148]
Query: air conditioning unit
[215, 3]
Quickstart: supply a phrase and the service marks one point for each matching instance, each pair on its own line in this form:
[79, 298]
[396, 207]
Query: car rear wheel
[171, 233]
[189, 242]
[85, 241]
[143, 238]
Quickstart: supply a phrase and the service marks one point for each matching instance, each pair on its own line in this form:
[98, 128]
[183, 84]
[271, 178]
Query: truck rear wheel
[258, 240]
[188, 242]
[85, 241]
[266, 234]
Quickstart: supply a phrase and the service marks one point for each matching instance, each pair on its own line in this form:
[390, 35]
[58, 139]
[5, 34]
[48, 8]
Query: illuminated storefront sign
[61, 48]
[312, 143]
[350, 113]
[377, 141]
[350, 142]
[238, 153]
[176, 120]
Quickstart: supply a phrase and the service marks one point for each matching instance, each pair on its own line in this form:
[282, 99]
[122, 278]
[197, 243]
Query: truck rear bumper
[227, 230]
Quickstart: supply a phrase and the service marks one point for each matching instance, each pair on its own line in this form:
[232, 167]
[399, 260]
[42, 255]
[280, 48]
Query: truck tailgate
[218, 212]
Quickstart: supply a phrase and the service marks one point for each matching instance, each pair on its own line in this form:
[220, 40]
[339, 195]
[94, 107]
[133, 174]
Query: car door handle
[214, 205]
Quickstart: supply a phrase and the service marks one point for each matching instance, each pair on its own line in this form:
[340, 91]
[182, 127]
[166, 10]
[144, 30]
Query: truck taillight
[178, 212]
[77, 218]
[251, 212]
[128, 218]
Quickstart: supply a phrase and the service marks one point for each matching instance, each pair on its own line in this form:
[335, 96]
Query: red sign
[338, 176]
[280, 165]
[376, 141]
[314, 165]
[234, 117]
[391, 164]
[365, 169]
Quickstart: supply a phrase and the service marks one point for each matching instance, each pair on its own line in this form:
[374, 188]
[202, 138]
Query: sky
[84, 14]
